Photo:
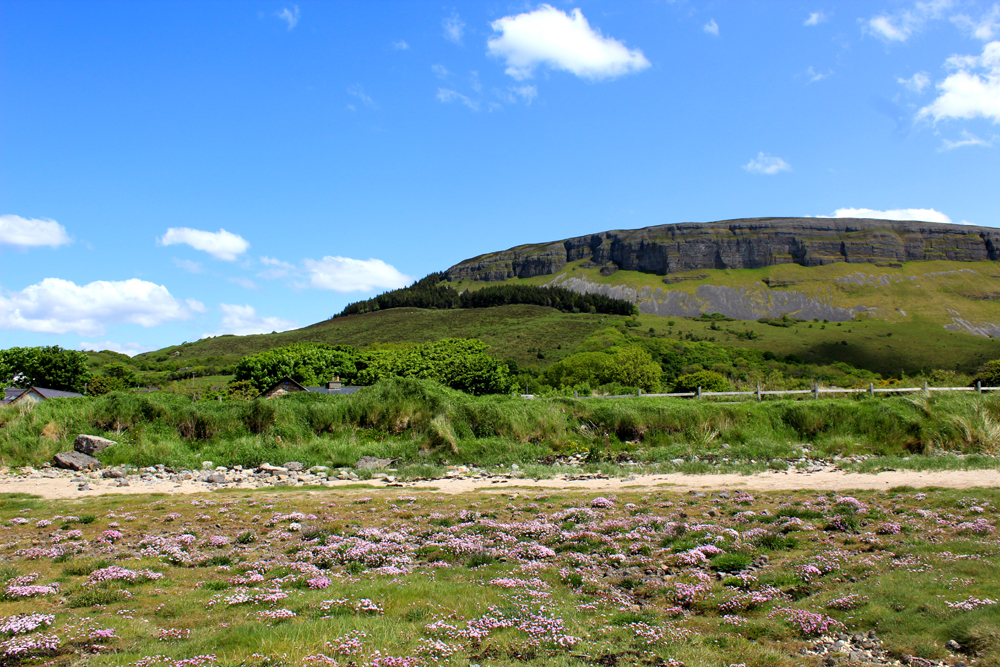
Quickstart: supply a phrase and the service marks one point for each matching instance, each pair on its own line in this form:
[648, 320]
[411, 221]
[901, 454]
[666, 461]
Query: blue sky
[172, 170]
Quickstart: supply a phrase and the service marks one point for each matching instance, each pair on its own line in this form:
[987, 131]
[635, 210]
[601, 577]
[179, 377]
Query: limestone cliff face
[742, 244]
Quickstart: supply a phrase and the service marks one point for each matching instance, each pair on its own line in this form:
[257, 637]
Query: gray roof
[10, 393]
[326, 390]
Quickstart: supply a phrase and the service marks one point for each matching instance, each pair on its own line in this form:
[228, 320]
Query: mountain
[749, 243]
[835, 269]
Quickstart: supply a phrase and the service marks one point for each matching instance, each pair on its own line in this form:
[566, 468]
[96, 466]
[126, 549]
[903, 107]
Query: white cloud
[131, 349]
[454, 28]
[547, 36]
[526, 93]
[343, 274]
[766, 164]
[972, 90]
[244, 321]
[986, 28]
[712, 28]
[60, 306]
[441, 72]
[221, 244]
[358, 92]
[900, 26]
[916, 83]
[968, 139]
[815, 18]
[400, 45]
[446, 95]
[289, 16]
[919, 214]
[31, 232]
[815, 76]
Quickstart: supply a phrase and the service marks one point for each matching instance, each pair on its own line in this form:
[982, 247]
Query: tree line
[432, 292]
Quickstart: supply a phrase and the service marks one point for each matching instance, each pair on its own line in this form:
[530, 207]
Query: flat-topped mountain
[749, 243]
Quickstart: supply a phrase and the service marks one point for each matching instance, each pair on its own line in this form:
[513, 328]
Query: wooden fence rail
[816, 392]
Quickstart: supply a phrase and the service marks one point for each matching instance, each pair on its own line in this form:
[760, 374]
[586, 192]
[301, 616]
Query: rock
[677, 462]
[318, 469]
[83, 487]
[113, 473]
[372, 463]
[207, 465]
[953, 646]
[91, 444]
[123, 482]
[294, 466]
[75, 461]
[216, 478]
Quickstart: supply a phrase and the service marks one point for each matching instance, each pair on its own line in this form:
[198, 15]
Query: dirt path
[827, 480]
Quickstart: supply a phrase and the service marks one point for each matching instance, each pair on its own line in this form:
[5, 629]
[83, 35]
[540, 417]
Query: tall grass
[419, 421]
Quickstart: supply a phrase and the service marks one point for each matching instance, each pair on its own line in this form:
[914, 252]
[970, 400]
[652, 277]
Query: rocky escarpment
[741, 244]
[745, 303]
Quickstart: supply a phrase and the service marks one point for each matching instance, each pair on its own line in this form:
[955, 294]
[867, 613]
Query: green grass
[425, 427]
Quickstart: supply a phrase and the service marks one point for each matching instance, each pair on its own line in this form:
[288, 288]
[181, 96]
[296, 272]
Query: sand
[825, 480]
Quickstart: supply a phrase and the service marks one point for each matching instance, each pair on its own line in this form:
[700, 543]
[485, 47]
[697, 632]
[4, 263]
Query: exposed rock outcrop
[745, 303]
[742, 244]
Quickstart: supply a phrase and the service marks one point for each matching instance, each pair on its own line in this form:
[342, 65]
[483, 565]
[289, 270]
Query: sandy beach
[825, 480]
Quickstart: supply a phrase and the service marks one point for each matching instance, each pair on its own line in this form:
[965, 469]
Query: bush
[707, 380]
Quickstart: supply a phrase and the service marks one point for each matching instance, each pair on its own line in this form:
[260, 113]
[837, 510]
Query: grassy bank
[419, 422]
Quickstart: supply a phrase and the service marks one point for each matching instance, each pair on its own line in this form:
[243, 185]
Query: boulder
[91, 444]
[294, 466]
[113, 473]
[372, 463]
[75, 461]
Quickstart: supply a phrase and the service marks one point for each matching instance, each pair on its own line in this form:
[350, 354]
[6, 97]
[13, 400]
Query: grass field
[380, 579]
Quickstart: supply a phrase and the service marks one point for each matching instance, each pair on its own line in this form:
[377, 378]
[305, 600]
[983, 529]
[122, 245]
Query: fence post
[758, 391]
[816, 391]
[925, 385]
[979, 386]
[699, 392]
[576, 394]
[640, 393]
[871, 389]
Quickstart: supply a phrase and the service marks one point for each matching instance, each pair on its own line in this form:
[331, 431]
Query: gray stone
[216, 478]
[207, 465]
[91, 444]
[953, 646]
[75, 461]
[294, 466]
[113, 473]
[371, 463]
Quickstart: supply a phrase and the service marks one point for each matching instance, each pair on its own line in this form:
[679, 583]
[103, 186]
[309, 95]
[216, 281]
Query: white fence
[815, 392]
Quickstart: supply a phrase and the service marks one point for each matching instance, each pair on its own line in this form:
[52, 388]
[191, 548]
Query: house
[15, 395]
[287, 385]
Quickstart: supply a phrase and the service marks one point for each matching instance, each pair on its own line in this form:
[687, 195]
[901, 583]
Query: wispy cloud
[986, 27]
[815, 76]
[549, 37]
[454, 28]
[188, 265]
[31, 232]
[243, 282]
[447, 95]
[441, 72]
[712, 28]
[358, 92]
[901, 25]
[815, 18]
[290, 16]
[916, 83]
[968, 139]
[767, 165]
[400, 45]
[221, 244]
